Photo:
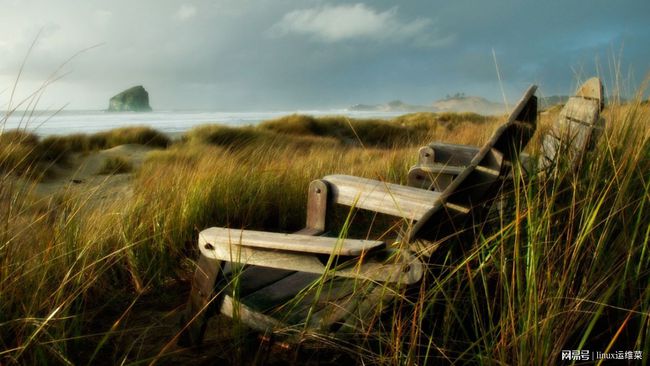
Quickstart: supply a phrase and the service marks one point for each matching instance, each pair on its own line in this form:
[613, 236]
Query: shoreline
[167, 122]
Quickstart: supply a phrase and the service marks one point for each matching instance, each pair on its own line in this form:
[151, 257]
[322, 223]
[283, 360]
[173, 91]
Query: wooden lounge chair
[572, 134]
[271, 281]
[577, 126]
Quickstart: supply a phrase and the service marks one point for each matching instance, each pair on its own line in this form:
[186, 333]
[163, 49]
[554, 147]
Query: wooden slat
[581, 110]
[293, 299]
[511, 138]
[325, 315]
[282, 304]
[433, 176]
[571, 133]
[526, 162]
[458, 208]
[392, 199]
[523, 111]
[426, 155]
[340, 304]
[279, 292]
[316, 207]
[453, 154]
[439, 178]
[592, 89]
[438, 168]
[254, 319]
[487, 170]
[550, 148]
[252, 278]
[217, 236]
[331, 293]
[359, 313]
[376, 267]
[463, 154]
[419, 178]
[203, 283]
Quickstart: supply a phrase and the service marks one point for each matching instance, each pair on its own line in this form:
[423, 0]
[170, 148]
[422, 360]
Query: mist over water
[45, 123]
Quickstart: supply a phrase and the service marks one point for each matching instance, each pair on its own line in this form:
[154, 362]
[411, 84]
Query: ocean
[46, 123]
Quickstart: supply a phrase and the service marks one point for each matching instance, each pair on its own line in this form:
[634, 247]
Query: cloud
[322, 53]
[185, 12]
[348, 22]
[103, 17]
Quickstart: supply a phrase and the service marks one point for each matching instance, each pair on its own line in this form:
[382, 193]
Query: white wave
[46, 123]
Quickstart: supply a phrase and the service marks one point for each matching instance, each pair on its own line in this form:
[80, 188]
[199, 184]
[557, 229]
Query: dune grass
[76, 143]
[116, 165]
[564, 267]
[403, 130]
[25, 154]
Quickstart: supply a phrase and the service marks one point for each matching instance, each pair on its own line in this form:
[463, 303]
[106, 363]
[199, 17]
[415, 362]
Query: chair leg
[197, 314]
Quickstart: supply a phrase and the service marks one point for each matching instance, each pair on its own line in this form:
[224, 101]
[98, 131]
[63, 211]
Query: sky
[249, 55]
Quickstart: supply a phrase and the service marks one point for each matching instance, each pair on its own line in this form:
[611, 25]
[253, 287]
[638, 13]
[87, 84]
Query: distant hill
[469, 104]
[394, 106]
[461, 103]
[457, 103]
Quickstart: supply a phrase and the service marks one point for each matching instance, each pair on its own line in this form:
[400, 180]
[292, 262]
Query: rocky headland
[135, 99]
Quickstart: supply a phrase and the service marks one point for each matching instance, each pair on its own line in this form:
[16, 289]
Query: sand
[81, 174]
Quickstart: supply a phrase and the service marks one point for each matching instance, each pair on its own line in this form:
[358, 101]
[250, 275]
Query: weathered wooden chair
[271, 281]
[577, 127]
[571, 135]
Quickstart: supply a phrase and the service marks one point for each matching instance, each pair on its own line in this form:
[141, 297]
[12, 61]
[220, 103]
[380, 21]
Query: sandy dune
[81, 175]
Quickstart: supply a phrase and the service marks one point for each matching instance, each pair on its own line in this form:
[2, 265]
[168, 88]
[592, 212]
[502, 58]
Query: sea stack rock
[134, 99]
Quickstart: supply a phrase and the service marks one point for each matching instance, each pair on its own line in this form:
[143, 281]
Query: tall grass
[24, 153]
[105, 139]
[564, 267]
[403, 130]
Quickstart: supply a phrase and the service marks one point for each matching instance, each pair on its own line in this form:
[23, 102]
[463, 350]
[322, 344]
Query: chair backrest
[481, 180]
[576, 127]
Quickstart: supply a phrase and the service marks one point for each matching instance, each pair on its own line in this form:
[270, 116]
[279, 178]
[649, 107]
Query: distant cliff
[394, 106]
[135, 99]
[462, 103]
[457, 103]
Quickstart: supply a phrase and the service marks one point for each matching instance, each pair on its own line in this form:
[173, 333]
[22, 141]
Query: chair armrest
[392, 199]
[447, 154]
[273, 251]
[437, 168]
[217, 236]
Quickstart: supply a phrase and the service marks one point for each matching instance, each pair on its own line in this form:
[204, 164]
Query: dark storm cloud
[316, 54]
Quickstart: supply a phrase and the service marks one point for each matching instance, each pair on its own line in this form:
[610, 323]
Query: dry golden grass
[76, 278]
[116, 165]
